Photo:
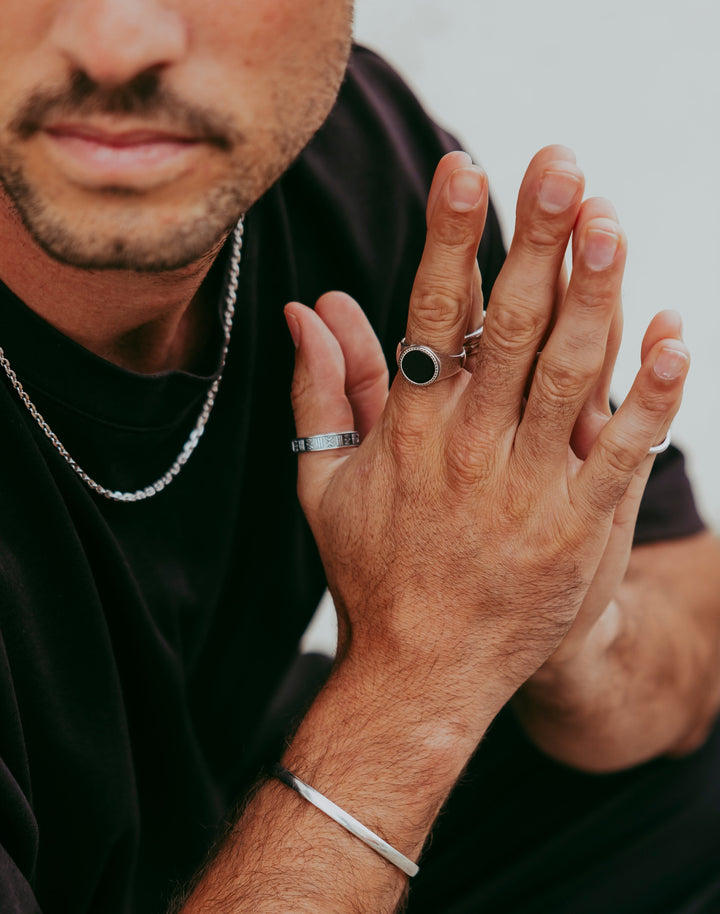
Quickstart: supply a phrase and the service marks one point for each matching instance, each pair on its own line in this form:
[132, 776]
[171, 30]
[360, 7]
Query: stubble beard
[136, 239]
[129, 245]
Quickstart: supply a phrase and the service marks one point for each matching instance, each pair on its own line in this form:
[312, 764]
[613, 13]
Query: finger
[561, 287]
[598, 402]
[442, 293]
[476, 319]
[572, 359]
[640, 423]
[366, 372]
[665, 325]
[477, 305]
[521, 306]
[449, 163]
[596, 410]
[320, 404]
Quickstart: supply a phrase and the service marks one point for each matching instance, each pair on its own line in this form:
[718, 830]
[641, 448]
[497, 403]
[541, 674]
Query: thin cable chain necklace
[232, 276]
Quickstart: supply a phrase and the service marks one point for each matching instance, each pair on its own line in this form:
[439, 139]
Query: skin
[493, 560]
[217, 123]
[453, 617]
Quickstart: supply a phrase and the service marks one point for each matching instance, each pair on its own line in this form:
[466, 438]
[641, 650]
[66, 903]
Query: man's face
[134, 132]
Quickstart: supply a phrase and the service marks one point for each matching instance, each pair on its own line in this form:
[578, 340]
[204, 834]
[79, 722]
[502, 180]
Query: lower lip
[93, 163]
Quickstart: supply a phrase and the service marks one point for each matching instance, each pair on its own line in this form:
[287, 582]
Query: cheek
[276, 62]
[24, 27]
[270, 34]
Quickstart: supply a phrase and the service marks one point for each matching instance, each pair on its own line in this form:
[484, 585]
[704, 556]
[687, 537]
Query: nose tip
[112, 41]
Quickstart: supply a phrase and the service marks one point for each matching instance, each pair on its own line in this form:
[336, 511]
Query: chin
[126, 231]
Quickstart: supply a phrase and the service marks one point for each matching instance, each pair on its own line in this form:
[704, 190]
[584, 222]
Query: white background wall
[633, 86]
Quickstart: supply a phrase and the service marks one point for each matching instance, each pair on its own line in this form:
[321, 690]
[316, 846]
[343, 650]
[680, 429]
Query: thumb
[319, 402]
[366, 373]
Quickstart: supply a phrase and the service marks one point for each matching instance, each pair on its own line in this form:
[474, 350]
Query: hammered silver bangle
[347, 821]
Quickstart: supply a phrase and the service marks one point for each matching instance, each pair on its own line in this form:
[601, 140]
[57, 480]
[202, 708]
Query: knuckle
[542, 237]
[562, 380]
[619, 458]
[437, 307]
[587, 347]
[654, 402]
[514, 325]
[453, 231]
[590, 300]
[469, 464]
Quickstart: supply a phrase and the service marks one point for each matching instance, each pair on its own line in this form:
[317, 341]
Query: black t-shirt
[141, 644]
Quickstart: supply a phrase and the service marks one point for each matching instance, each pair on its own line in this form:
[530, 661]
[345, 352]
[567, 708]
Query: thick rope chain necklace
[232, 276]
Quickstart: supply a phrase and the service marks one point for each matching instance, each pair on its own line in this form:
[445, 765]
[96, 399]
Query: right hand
[461, 538]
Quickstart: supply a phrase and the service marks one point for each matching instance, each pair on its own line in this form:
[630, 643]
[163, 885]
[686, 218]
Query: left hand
[667, 325]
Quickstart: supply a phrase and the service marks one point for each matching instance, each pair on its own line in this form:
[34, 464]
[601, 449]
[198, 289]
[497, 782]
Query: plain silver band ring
[330, 442]
[471, 343]
[663, 446]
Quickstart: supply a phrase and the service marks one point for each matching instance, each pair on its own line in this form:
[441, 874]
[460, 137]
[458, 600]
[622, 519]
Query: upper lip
[127, 136]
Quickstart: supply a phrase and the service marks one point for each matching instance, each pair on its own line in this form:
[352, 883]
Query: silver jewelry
[347, 821]
[663, 446]
[330, 442]
[471, 343]
[232, 276]
[422, 366]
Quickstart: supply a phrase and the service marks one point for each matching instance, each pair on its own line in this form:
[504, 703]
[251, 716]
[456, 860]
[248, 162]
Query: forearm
[383, 756]
[646, 681]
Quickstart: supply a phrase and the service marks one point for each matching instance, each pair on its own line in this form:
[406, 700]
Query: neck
[140, 321]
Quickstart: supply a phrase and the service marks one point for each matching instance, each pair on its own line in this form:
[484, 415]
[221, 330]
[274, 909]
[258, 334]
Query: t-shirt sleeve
[668, 509]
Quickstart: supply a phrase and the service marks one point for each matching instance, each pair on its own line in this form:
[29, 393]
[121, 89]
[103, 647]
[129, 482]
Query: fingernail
[670, 364]
[557, 191]
[294, 328]
[465, 188]
[600, 248]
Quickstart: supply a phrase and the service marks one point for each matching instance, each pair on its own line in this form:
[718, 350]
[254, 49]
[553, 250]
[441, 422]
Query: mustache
[144, 96]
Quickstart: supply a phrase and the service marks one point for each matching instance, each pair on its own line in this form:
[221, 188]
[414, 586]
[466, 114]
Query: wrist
[377, 711]
[380, 751]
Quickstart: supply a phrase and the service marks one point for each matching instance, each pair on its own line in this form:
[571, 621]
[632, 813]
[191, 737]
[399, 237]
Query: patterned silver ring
[330, 442]
[663, 446]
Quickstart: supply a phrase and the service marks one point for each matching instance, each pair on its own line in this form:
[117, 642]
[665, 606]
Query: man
[477, 543]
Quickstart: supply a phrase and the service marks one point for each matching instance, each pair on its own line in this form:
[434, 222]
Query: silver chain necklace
[233, 274]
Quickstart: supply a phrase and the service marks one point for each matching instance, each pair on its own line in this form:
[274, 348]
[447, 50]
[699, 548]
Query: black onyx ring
[421, 365]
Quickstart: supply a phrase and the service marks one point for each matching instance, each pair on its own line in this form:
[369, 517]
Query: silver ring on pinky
[663, 446]
[330, 442]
